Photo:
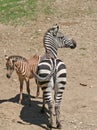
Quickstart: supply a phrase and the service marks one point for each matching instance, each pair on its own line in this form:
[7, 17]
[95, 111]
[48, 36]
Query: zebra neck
[50, 45]
[50, 54]
[51, 50]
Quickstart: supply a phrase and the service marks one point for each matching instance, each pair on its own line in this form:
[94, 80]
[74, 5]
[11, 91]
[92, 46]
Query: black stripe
[46, 98]
[43, 75]
[62, 66]
[46, 61]
[62, 82]
[62, 75]
[59, 92]
[58, 60]
[46, 92]
[44, 66]
[43, 88]
[44, 82]
[62, 87]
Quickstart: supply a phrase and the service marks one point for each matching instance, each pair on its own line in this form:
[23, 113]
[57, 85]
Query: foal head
[9, 65]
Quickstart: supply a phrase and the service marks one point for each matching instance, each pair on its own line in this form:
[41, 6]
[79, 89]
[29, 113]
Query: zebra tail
[41, 79]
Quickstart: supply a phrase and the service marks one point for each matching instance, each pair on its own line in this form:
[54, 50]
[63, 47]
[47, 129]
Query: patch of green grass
[48, 10]
[14, 10]
[21, 11]
[47, 7]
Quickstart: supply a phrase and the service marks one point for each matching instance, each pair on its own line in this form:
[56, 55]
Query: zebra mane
[17, 58]
[50, 41]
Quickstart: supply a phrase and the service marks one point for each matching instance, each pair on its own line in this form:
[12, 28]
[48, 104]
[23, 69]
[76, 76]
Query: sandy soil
[79, 104]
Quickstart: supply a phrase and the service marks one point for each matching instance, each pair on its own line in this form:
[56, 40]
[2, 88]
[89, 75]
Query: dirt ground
[79, 104]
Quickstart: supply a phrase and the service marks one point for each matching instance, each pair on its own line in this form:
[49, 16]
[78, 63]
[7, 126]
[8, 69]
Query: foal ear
[14, 60]
[6, 57]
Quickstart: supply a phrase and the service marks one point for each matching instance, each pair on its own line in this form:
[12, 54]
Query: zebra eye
[60, 38]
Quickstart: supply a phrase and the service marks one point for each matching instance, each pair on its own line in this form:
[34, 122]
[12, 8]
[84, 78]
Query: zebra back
[16, 58]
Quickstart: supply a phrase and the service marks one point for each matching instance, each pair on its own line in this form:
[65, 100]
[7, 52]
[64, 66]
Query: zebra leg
[58, 99]
[21, 90]
[50, 106]
[57, 111]
[28, 91]
[47, 98]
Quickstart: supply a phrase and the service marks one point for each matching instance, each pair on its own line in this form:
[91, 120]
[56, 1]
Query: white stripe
[61, 79]
[61, 72]
[44, 71]
[44, 63]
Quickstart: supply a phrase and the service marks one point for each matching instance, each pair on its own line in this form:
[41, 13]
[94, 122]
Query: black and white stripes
[53, 39]
[56, 82]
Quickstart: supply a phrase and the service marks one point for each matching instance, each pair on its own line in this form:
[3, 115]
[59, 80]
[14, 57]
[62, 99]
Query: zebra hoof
[59, 126]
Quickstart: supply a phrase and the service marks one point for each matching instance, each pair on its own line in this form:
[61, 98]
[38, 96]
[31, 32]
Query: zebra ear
[14, 60]
[6, 57]
[56, 29]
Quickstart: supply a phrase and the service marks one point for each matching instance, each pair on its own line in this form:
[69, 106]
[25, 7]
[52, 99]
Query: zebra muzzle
[74, 44]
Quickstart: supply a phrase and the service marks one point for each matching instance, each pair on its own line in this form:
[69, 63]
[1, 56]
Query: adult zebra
[52, 41]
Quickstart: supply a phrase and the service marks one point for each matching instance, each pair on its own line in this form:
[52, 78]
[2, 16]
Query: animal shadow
[30, 114]
[33, 115]
[16, 99]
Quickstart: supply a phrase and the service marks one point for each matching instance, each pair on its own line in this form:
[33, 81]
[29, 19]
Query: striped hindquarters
[44, 68]
[57, 81]
[60, 80]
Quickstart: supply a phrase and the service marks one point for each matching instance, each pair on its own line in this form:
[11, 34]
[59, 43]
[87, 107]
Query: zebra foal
[24, 69]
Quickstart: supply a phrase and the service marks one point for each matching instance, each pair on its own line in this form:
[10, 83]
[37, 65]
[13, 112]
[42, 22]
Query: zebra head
[64, 41]
[9, 65]
[53, 39]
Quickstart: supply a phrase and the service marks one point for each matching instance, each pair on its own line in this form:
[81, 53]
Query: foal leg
[38, 92]
[21, 90]
[28, 91]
